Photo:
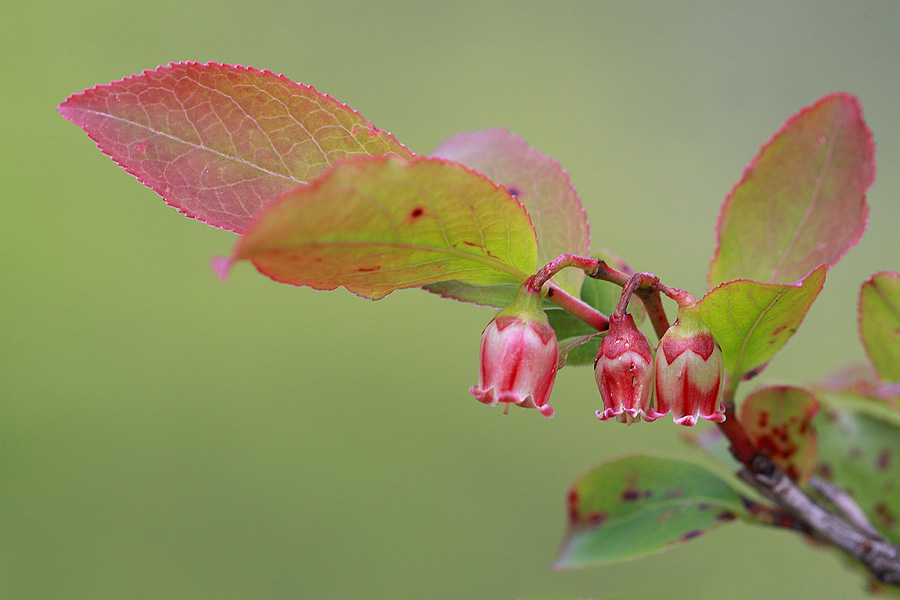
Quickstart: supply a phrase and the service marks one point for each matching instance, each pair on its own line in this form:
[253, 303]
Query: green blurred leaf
[219, 142]
[801, 202]
[779, 421]
[375, 225]
[576, 346]
[579, 350]
[860, 453]
[751, 321]
[879, 323]
[539, 183]
[637, 505]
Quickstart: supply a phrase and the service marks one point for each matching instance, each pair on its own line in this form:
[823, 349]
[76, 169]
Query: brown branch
[865, 544]
[845, 503]
[877, 554]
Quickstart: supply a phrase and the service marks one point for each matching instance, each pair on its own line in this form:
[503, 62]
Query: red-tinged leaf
[779, 421]
[379, 224]
[539, 183]
[879, 323]
[801, 202]
[219, 142]
[752, 321]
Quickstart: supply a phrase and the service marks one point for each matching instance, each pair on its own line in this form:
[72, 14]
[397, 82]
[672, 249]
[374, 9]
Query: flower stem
[556, 294]
[558, 264]
[578, 308]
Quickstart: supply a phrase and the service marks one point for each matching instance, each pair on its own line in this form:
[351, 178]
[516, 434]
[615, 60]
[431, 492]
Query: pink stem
[578, 308]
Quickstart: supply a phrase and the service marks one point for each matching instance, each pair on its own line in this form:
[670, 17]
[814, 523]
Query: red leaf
[801, 202]
[218, 142]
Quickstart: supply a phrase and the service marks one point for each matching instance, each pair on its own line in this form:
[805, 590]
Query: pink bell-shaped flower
[624, 371]
[519, 356]
[689, 371]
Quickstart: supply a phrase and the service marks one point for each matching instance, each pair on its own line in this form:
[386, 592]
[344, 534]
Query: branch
[845, 503]
[862, 542]
[877, 554]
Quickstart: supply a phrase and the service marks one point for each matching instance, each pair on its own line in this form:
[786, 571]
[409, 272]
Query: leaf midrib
[816, 192]
[189, 144]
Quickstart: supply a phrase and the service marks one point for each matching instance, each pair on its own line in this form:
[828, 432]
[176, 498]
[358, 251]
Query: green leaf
[375, 225]
[637, 505]
[539, 183]
[219, 142]
[861, 454]
[879, 323]
[576, 347]
[801, 202]
[498, 296]
[751, 321]
[779, 421]
[579, 350]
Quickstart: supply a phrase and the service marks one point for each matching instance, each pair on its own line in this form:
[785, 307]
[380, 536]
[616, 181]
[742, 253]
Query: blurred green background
[164, 435]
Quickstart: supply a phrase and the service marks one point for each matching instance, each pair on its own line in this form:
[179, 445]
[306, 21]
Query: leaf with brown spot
[351, 228]
[860, 453]
[637, 505]
[779, 421]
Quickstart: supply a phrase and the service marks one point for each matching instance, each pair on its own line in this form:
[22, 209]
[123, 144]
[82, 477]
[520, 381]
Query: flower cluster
[520, 357]
[685, 378]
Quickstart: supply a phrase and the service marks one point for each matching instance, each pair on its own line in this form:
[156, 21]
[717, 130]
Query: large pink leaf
[539, 183]
[377, 224]
[218, 142]
[801, 202]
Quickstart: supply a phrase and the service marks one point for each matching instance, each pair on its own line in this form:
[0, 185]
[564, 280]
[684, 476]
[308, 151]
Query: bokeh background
[165, 435]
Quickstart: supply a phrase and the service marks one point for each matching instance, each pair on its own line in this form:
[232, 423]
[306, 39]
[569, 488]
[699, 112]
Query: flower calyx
[519, 356]
[689, 371]
[624, 371]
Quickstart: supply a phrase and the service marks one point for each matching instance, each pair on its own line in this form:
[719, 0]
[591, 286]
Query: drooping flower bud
[689, 371]
[519, 356]
[624, 371]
